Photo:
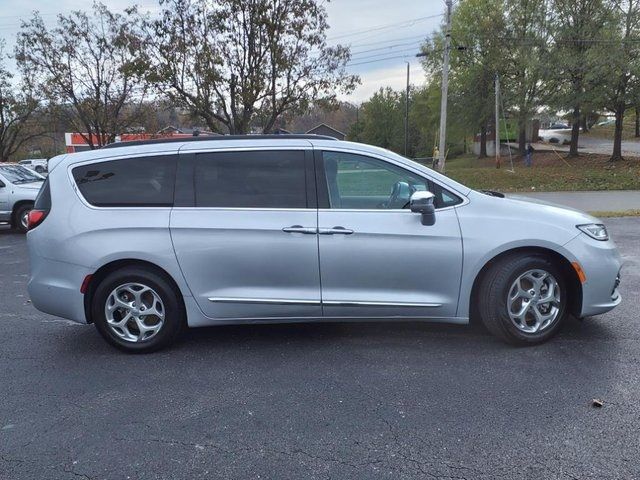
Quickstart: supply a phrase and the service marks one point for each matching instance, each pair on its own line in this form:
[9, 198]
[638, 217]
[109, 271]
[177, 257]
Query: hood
[521, 205]
[28, 186]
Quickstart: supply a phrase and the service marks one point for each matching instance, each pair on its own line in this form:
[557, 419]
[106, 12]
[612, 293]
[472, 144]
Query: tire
[19, 217]
[496, 299]
[151, 288]
[39, 169]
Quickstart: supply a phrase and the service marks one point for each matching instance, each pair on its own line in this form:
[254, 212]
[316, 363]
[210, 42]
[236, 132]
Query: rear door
[244, 231]
[376, 257]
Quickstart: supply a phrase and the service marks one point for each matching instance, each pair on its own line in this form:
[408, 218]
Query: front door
[376, 257]
[246, 240]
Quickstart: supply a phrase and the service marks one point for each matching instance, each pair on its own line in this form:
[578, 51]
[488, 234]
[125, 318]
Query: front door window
[359, 182]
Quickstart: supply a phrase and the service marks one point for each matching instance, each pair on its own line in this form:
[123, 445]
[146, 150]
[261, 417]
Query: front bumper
[601, 264]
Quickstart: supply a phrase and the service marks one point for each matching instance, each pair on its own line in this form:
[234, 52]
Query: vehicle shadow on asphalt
[332, 336]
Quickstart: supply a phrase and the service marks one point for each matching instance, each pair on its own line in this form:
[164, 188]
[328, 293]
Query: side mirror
[422, 202]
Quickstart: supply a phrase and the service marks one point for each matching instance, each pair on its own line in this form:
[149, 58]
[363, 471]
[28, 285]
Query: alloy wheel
[533, 301]
[134, 312]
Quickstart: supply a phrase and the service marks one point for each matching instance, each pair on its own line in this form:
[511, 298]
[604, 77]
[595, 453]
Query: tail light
[35, 218]
[41, 207]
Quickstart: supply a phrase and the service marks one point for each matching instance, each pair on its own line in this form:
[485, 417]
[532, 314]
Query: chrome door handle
[335, 230]
[300, 229]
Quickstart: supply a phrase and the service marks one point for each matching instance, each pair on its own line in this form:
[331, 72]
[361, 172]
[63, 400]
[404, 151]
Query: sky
[383, 34]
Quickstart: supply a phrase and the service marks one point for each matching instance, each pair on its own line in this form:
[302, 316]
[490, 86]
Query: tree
[576, 25]
[236, 62]
[18, 107]
[478, 38]
[89, 66]
[527, 35]
[623, 65]
[382, 120]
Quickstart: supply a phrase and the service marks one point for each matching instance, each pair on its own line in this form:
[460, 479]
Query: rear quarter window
[131, 182]
[43, 200]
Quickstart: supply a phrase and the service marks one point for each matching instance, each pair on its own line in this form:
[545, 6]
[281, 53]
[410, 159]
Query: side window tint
[361, 182]
[131, 182]
[251, 179]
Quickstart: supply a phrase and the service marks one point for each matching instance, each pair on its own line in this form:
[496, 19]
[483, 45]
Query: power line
[379, 60]
[385, 47]
[398, 39]
[382, 54]
[383, 27]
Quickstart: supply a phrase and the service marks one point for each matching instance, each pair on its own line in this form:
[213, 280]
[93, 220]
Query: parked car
[559, 126]
[18, 189]
[561, 137]
[145, 239]
[39, 165]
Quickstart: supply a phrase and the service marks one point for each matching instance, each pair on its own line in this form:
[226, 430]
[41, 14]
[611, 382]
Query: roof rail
[217, 138]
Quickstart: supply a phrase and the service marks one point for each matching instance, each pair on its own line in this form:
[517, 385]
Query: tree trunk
[585, 124]
[522, 138]
[575, 132]
[617, 136]
[637, 133]
[483, 142]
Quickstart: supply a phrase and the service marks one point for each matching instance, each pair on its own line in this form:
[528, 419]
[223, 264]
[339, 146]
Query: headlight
[596, 231]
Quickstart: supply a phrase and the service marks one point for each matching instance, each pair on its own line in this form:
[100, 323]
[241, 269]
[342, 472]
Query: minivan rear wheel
[523, 299]
[137, 310]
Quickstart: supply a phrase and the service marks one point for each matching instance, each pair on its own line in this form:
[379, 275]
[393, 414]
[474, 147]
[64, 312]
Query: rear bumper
[54, 288]
[601, 263]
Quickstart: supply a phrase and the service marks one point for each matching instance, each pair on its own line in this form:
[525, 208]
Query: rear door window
[131, 182]
[251, 179]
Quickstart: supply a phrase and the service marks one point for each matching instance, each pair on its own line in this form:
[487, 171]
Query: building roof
[326, 126]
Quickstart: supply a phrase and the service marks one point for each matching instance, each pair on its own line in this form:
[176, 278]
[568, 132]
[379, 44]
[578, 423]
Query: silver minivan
[147, 238]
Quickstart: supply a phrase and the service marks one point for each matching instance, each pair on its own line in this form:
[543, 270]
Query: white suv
[39, 165]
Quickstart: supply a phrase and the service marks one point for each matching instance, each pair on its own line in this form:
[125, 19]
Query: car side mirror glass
[422, 202]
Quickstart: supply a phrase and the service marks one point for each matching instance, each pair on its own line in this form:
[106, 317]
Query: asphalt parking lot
[387, 400]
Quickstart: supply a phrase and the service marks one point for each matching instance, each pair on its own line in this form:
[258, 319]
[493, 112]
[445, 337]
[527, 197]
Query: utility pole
[497, 127]
[406, 117]
[445, 89]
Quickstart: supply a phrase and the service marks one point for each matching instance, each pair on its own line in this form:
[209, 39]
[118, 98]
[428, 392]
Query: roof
[206, 138]
[327, 126]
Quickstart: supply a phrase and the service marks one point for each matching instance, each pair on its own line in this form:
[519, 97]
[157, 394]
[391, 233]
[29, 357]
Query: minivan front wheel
[523, 299]
[137, 310]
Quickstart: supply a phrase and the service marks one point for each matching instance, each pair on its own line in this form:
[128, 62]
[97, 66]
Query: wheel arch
[571, 277]
[16, 206]
[102, 272]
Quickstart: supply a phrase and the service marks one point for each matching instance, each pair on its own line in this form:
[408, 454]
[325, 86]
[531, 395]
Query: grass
[623, 213]
[607, 131]
[550, 172]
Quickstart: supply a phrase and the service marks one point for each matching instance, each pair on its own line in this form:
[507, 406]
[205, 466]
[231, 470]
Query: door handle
[300, 229]
[335, 230]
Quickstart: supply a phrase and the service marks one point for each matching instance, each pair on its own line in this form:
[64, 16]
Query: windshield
[17, 174]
